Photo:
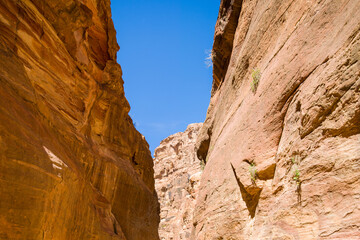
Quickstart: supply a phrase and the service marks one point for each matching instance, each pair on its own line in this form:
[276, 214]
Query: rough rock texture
[72, 165]
[283, 159]
[177, 176]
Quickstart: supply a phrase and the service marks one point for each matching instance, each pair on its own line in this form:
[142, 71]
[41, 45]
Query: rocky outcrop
[177, 175]
[72, 165]
[281, 139]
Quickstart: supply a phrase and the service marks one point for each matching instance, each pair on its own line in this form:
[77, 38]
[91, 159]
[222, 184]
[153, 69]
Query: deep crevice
[250, 195]
[223, 42]
[203, 148]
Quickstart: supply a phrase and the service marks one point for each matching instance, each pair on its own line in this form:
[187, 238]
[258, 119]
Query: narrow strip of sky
[163, 47]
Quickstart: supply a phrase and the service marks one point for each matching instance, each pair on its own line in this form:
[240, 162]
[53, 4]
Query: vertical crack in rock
[223, 40]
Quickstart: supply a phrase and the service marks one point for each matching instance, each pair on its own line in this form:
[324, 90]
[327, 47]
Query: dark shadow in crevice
[298, 191]
[250, 194]
[204, 145]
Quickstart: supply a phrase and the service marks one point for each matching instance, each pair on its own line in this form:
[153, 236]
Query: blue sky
[163, 45]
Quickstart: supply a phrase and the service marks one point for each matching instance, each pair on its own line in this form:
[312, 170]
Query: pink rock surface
[282, 161]
[177, 176]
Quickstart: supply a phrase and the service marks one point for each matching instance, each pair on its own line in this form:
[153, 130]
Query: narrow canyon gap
[163, 47]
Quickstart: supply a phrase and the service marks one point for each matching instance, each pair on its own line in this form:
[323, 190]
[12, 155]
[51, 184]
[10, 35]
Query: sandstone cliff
[72, 165]
[177, 175]
[281, 139]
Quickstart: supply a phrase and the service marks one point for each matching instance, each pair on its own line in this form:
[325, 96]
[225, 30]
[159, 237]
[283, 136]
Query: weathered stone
[72, 165]
[177, 177]
[297, 129]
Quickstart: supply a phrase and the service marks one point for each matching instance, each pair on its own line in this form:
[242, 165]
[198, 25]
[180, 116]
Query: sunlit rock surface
[72, 165]
[282, 158]
[177, 176]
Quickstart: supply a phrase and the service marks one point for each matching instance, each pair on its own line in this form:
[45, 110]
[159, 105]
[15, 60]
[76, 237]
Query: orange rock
[72, 165]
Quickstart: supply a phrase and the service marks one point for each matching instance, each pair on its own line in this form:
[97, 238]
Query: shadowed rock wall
[281, 139]
[72, 165]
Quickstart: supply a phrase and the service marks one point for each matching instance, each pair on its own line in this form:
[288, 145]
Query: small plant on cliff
[297, 176]
[202, 164]
[209, 58]
[252, 171]
[255, 75]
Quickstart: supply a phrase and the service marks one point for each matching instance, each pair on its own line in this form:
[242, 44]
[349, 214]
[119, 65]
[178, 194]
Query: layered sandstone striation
[281, 139]
[72, 165]
[177, 175]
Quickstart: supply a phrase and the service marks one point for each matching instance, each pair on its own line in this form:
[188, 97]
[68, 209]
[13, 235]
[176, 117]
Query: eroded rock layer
[72, 165]
[281, 139]
[177, 176]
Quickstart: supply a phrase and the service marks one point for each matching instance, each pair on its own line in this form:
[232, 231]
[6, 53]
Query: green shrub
[202, 164]
[209, 58]
[252, 171]
[255, 75]
[297, 175]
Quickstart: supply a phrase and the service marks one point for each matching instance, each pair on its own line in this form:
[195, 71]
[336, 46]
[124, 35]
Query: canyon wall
[177, 175]
[72, 165]
[281, 140]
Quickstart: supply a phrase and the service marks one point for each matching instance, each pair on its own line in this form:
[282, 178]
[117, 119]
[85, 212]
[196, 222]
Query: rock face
[177, 175]
[72, 165]
[281, 139]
